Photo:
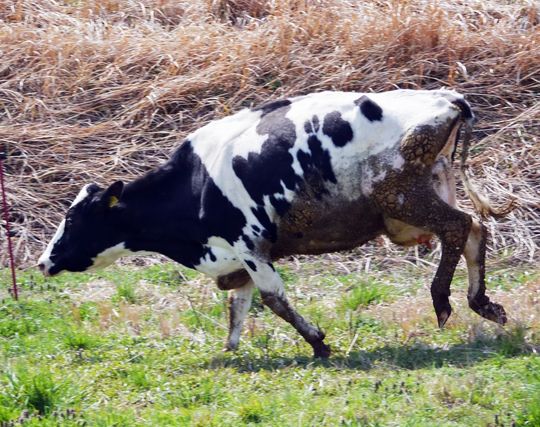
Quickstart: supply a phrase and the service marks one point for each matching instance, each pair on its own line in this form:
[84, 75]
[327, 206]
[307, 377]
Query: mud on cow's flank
[306, 175]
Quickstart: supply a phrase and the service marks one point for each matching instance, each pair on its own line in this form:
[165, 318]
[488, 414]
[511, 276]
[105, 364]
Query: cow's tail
[480, 201]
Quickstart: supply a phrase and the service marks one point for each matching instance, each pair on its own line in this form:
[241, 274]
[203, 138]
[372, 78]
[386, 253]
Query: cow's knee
[269, 283]
[313, 335]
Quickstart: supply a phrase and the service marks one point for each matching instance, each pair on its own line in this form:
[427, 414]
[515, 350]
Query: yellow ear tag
[113, 201]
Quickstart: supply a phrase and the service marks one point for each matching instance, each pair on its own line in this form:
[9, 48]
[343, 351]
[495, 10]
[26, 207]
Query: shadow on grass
[415, 356]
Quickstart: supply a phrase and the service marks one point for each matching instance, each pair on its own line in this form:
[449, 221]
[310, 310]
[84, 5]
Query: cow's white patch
[45, 258]
[471, 253]
[109, 255]
[398, 162]
[218, 142]
[222, 261]
[368, 180]
[444, 182]
[408, 108]
[265, 277]
[81, 196]
[249, 141]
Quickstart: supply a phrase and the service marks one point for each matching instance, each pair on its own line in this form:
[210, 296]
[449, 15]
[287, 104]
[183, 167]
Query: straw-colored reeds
[104, 90]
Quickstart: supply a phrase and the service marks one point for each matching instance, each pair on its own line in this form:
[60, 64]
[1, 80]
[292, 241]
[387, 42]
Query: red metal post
[14, 289]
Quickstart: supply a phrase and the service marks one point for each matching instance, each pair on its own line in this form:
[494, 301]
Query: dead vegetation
[104, 90]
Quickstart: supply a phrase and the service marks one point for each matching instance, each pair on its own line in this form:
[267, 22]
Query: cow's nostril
[41, 267]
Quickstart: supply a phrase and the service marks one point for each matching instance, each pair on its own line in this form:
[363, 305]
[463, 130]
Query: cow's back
[303, 169]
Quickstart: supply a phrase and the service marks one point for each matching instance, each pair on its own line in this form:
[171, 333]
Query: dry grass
[100, 90]
[521, 303]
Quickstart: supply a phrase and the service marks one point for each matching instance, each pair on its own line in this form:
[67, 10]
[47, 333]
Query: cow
[311, 174]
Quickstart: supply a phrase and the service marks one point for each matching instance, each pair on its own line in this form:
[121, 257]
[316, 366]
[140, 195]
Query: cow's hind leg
[418, 205]
[452, 242]
[475, 254]
[270, 285]
[239, 304]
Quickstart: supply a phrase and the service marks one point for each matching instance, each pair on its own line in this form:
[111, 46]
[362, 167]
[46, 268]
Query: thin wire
[14, 290]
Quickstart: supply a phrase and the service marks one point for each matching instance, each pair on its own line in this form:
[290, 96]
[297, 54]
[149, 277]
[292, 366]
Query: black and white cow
[306, 175]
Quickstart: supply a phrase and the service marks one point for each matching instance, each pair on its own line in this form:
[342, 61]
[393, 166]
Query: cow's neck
[158, 214]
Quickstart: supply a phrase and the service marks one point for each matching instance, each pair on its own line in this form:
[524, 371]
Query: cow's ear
[113, 194]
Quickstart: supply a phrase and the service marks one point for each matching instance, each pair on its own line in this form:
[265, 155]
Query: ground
[142, 346]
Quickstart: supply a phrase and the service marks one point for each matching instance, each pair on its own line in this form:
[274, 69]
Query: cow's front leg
[270, 285]
[475, 255]
[239, 304]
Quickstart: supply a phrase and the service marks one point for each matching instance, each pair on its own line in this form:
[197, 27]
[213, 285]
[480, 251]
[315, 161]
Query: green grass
[361, 293]
[126, 292]
[142, 347]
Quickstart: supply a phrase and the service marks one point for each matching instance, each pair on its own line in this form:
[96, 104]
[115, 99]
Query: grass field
[142, 346]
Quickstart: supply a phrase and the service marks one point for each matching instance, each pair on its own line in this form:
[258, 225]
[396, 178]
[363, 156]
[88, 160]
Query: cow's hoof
[229, 348]
[321, 350]
[442, 317]
[494, 312]
[443, 309]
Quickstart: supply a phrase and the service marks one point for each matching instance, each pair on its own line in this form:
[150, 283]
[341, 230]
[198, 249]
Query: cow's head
[89, 236]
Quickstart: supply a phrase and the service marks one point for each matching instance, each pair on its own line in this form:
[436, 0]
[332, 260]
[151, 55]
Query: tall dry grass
[104, 90]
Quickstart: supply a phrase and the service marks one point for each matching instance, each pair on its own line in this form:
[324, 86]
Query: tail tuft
[481, 203]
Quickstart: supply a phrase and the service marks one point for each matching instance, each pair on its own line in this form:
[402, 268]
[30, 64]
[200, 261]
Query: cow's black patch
[370, 109]
[280, 205]
[269, 231]
[262, 174]
[268, 107]
[255, 228]
[248, 242]
[251, 265]
[271, 266]
[265, 173]
[79, 263]
[338, 129]
[316, 162]
[208, 251]
[312, 126]
[175, 209]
